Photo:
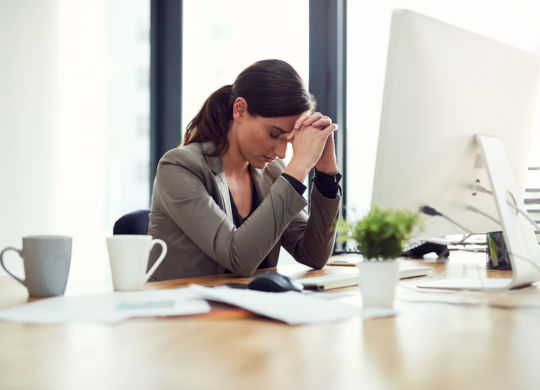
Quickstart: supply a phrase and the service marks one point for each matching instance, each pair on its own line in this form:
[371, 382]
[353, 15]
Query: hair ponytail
[213, 120]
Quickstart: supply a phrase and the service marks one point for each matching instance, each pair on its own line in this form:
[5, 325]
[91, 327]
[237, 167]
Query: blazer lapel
[262, 183]
[262, 186]
[216, 166]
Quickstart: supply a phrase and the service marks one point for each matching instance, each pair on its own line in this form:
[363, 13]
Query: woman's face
[260, 139]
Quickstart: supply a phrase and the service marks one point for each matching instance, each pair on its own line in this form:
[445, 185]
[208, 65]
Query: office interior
[79, 117]
[82, 127]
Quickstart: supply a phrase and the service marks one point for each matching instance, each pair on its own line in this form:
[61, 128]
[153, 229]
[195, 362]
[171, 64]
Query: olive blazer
[191, 211]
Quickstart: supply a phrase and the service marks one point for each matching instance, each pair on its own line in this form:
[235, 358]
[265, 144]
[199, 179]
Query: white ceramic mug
[128, 256]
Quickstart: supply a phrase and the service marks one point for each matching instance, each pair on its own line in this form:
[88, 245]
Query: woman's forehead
[284, 124]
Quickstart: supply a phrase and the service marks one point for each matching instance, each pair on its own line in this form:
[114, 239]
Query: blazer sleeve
[182, 192]
[310, 239]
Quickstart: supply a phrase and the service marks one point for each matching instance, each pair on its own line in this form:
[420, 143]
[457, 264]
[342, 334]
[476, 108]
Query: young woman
[225, 201]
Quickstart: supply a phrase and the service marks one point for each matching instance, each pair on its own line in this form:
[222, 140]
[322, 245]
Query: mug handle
[10, 248]
[160, 258]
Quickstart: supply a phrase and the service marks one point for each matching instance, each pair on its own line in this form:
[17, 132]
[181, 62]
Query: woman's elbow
[313, 261]
[318, 263]
[318, 258]
[242, 269]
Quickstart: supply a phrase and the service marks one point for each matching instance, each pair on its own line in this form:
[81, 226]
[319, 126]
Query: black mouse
[274, 282]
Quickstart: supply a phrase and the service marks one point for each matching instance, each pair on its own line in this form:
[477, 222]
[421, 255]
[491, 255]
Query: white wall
[28, 119]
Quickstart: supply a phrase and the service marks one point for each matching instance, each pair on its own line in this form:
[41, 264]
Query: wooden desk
[428, 345]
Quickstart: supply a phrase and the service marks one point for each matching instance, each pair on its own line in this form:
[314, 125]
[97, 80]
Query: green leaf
[381, 233]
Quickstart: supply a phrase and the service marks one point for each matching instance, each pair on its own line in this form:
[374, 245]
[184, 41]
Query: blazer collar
[214, 162]
[262, 182]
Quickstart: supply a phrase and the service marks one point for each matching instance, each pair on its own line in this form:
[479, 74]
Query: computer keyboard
[418, 248]
[413, 248]
[327, 282]
[413, 243]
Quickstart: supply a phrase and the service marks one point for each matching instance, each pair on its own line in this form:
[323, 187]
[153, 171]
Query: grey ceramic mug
[46, 264]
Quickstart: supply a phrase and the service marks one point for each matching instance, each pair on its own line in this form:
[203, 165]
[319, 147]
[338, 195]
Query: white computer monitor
[445, 85]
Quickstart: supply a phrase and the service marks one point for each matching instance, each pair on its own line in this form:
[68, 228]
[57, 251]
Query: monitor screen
[443, 86]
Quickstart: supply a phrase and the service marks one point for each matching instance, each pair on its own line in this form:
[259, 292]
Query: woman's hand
[316, 120]
[313, 145]
[327, 161]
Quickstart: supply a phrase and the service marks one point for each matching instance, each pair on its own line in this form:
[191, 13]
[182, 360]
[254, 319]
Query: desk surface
[438, 340]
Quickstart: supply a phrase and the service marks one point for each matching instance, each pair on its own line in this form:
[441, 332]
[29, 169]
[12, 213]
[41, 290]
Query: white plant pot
[377, 283]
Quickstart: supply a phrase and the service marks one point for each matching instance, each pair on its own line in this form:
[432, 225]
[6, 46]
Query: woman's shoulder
[183, 152]
[192, 155]
[194, 158]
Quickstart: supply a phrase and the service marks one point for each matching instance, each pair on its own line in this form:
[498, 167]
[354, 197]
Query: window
[103, 132]
[221, 38]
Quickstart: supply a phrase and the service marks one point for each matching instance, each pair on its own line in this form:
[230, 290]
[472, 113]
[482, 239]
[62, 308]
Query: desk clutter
[47, 261]
[291, 307]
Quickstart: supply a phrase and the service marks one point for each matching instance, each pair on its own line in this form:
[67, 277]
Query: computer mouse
[274, 282]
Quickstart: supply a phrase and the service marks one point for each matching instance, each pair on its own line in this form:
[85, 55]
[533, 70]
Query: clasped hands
[313, 143]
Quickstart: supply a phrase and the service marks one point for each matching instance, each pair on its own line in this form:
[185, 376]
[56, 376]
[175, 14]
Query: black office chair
[135, 222]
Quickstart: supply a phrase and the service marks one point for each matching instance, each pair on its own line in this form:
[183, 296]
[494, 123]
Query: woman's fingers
[328, 129]
[300, 121]
[324, 121]
[324, 132]
[331, 128]
[289, 136]
[316, 120]
[312, 118]
[315, 125]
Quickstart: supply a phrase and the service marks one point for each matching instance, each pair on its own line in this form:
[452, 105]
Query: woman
[225, 201]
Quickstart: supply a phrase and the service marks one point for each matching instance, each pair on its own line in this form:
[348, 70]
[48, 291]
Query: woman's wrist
[297, 185]
[327, 184]
[330, 168]
[297, 170]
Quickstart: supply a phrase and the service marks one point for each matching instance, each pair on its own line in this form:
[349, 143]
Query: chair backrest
[135, 222]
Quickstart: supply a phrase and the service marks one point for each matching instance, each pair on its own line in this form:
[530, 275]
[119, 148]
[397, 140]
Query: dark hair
[272, 88]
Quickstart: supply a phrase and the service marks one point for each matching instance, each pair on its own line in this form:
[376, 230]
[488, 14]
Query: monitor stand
[519, 236]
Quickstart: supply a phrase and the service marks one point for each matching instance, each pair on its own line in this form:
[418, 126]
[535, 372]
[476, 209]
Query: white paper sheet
[291, 307]
[108, 307]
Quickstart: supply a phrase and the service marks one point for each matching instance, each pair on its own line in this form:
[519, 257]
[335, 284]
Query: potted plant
[380, 237]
